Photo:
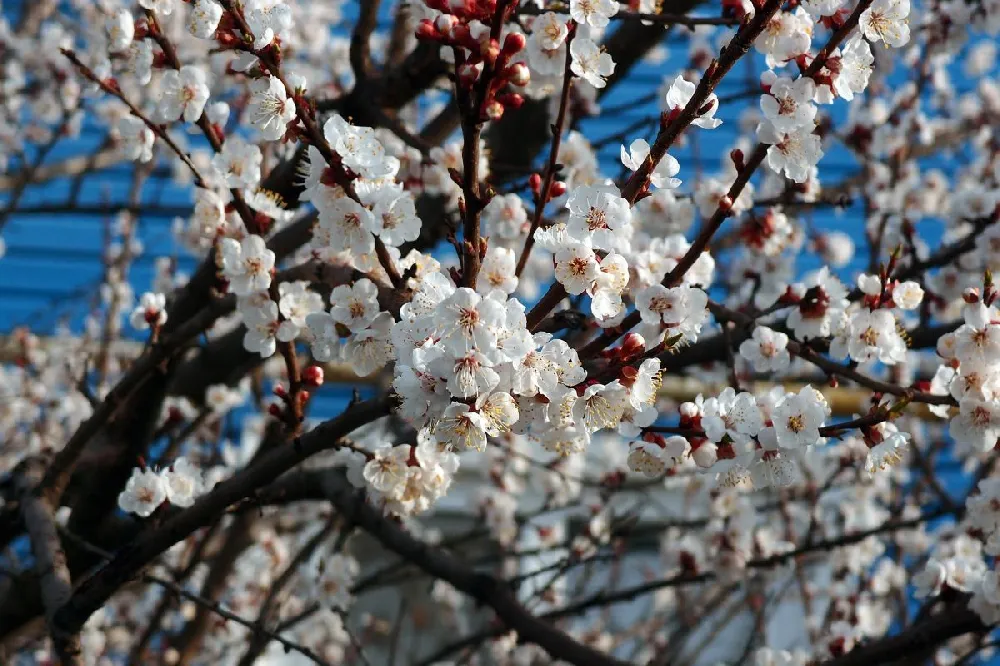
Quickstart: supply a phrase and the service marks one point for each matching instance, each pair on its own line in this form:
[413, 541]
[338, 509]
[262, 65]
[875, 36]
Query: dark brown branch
[158, 130]
[917, 638]
[737, 47]
[95, 591]
[359, 52]
[543, 195]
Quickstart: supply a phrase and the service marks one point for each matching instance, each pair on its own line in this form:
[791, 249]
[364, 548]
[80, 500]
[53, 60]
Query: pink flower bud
[518, 74]
[514, 43]
[535, 182]
[426, 30]
[736, 155]
[511, 100]
[494, 110]
[313, 376]
[632, 344]
[490, 51]
[445, 23]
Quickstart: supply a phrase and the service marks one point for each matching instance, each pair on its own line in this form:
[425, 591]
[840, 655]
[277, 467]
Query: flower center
[981, 417]
[468, 318]
[578, 266]
[660, 304]
[596, 219]
[796, 423]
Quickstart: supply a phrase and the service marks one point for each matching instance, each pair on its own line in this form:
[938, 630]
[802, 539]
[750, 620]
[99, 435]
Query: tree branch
[485, 589]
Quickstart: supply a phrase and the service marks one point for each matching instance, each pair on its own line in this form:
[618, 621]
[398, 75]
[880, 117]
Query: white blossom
[270, 109]
[183, 92]
[886, 21]
[679, 96]
[596, 13]
[144, 492]
[247, 264]
[204, 18]
[589, 62]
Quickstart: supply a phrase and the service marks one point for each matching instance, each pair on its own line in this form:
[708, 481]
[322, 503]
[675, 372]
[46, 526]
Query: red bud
[490, 51]
[313, 376]
[514, 43]
[518, 74]
[736, 155]
[426, 30]
[726, 205]
[494, 110]
[632, 344]
[535, 182]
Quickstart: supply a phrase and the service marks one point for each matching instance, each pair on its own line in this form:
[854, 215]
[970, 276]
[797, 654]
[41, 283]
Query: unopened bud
[557, 190]
[426, 30]
[490, 51]
[461, 35]
[274, 409]
[518, 74]
[313, 376]
[736, 155]
[705, 455]
[445, 23]
[511, 100]
[655, 438]
[726, 205]
[632, 344]
[514, 43]
[535, 183]
[280, 391]
[494, 110]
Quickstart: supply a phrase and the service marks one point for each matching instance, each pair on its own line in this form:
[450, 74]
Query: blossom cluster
[466, 364]
[180, 484]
